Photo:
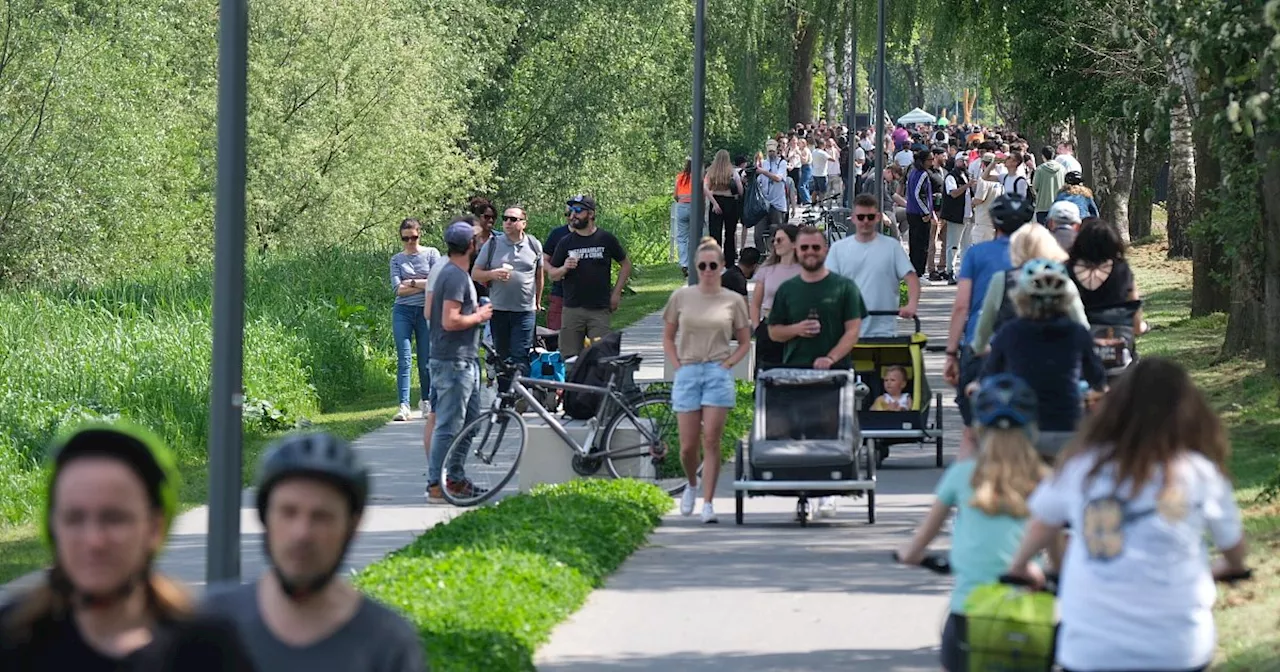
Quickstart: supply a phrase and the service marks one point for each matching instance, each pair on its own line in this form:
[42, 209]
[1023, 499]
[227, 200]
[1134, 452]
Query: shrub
[485, 589]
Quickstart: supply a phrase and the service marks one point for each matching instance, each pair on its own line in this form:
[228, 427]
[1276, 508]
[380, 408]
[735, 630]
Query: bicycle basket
[1010, 629]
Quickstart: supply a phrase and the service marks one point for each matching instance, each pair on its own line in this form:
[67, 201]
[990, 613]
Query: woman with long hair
[410, 270]
[989, 495]
[113, 493]
[1073, 190]
[724, 189]
[782, 265]
[1142, 487]
[708, 318]
[1100, 271]
[683, 197]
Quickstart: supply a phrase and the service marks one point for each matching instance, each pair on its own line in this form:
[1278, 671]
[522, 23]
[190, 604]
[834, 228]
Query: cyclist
[312, 491]
[112, 496]
[989, 495]
[1140, 490]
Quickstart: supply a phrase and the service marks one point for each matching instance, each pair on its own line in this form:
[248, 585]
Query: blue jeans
[513, 336]
[806, 177]
[683, 222]
[457, 402]
[409, 323]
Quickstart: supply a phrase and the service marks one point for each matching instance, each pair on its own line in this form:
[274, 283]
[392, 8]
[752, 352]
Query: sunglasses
[866, 218]
[708, 265]
[811, 248]
[511, 219]
[408, 238]
[579, 208]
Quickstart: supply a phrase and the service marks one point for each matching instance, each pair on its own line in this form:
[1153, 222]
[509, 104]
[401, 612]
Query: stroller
[883, 429]
[1113, 337]
[795, 452]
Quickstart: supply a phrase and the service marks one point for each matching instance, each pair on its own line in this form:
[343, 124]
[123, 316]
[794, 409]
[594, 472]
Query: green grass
[652, 286]
[1248, 400]
[485, 589]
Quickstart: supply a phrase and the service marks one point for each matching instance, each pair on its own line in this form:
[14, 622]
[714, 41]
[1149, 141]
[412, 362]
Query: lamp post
[851, 146]
[880, 79]
[226, 399]
[697, 206]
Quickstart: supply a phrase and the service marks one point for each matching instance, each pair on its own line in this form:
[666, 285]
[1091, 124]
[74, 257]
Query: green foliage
[485, 589]
[736, 427]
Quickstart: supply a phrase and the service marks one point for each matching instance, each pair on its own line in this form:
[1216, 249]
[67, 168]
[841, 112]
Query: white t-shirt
[905, 158]
[867, 144]
[1136, 591]
[1069, 162]
[1015, 184]
[833, 162]
[818, 159]
[877, 268]
[983, 225]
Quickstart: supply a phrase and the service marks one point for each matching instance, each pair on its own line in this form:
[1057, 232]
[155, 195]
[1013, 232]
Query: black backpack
[754, 207]
[587, 371]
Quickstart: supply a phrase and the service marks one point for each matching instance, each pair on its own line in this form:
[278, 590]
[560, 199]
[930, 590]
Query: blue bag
[548, 366]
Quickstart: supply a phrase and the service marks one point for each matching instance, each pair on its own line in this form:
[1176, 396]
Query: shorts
[820, 184]
[699, 385]
[970, 367]
[954, 656]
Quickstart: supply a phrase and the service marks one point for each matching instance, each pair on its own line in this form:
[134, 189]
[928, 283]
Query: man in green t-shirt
[818, 313]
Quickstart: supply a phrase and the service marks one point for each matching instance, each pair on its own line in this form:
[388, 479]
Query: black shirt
[588, 286]
[199, 644]
[733, 278]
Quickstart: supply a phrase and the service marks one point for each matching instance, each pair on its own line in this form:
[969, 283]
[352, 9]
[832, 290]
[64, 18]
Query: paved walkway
[771, 595]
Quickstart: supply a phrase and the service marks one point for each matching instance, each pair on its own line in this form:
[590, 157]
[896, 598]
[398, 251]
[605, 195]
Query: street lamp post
[225, 397]
[851, 145]
[880, 81]
[697, 207]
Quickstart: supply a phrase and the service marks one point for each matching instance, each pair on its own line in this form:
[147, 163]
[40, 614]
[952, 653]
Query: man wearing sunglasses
[876, 264]
[510, 263]
[817, 314]
[584, 260]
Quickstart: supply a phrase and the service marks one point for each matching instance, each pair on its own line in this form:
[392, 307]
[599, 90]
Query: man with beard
[584, 261]
[817, 314]
[312, 491]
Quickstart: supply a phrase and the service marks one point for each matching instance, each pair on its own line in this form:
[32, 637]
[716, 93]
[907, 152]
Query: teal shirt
[981, 545]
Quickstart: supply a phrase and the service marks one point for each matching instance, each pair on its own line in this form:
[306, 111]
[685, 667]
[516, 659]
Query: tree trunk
[832, 107]
[1267, 148]
[1182, 173]
[917, 77]
[1084, 152]
[1115, 174]
[1146, 168]
[1245, 317]
[1209, 264]
[847, 73]
[805, 35]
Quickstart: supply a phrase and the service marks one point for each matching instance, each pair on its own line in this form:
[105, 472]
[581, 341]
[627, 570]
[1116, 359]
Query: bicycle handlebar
[934, 563]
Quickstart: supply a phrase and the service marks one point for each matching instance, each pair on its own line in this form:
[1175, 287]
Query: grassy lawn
[652, 286]
[1249, 401]
[21, 550]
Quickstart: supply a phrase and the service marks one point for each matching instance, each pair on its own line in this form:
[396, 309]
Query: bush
[644, 228]
[736, 427]
[485, 589]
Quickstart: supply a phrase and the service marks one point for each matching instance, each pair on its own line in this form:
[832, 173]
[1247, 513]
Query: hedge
[487, 588]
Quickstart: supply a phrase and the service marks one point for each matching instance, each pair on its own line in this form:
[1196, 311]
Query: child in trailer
[989, 494]
[895, 397]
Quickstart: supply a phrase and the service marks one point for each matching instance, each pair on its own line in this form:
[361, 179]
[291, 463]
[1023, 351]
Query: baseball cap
[583, 200]
[772, 144]
[1065, 211]
[988, 157]
[459, 234]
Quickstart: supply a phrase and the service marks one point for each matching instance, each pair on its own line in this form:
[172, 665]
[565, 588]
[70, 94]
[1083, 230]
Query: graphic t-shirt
[705, 323]
[833, 300]
[877, 269]
[982, 545]
[588, 286]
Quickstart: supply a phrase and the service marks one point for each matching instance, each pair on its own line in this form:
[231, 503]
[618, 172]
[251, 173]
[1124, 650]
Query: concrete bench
[548, 459]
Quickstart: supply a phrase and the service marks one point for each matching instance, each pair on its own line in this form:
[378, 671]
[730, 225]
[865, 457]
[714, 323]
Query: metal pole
[880, 80]
[226, 399]
[698, 207]
[850, 186]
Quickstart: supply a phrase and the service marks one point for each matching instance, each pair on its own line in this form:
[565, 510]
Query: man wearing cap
[1063, 221]
[584, 260]
[456, 322]
[771, 175]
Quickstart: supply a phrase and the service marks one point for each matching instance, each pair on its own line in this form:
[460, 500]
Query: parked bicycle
[630, 435]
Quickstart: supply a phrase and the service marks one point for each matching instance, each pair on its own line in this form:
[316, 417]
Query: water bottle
[484, 301]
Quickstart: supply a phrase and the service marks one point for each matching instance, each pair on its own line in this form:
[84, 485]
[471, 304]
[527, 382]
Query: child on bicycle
[989, 494]
[1050, 351]
[1140, 488]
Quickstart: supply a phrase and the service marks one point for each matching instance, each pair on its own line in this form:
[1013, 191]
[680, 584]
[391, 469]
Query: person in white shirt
[1066, 156]
[905, 158]
[877, 264]
[1141, 489]
[818, 166]
[985, 193]
[1012, 181]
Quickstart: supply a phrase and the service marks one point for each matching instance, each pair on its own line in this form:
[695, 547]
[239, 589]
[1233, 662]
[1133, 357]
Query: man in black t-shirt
[584, 261]
[736, 277]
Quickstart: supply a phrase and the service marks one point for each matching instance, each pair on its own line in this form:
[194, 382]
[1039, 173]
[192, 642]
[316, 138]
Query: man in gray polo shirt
[511, 264]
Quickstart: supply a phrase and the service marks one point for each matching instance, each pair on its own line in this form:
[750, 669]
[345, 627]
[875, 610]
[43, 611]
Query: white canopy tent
[917, 116]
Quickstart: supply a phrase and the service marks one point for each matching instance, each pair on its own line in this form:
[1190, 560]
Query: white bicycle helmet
[1043, 279]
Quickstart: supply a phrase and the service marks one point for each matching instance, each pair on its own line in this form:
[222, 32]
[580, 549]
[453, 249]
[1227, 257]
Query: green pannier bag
[1010, 629]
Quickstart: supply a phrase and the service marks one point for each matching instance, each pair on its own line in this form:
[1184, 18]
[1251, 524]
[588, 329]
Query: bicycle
[640, 427]
[830, 220]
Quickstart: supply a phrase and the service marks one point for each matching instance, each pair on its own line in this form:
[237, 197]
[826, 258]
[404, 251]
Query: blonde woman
[724, 190]
[700, 324]
[781, 266]
[1032, 241]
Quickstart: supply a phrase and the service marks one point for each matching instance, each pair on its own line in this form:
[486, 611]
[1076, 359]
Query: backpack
[754, 206]
[1007, 311]
[587, 371]
[1031, 190]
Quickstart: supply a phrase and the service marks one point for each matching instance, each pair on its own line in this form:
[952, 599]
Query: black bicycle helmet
[1005, 401]
[317, 455]
[1074, 177]
[1011, 211]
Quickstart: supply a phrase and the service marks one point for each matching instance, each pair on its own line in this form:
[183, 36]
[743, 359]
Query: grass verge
[487, 588]
[1249, 402]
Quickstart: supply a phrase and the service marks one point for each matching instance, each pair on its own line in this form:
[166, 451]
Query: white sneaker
[403, 414]
[424, 407]
[827, 507]
[688, 499]
[709, 513]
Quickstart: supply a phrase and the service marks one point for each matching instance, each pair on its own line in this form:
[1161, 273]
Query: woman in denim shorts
[701, 322]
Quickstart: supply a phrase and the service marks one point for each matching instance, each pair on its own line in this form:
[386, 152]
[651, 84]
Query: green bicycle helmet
[144, 452]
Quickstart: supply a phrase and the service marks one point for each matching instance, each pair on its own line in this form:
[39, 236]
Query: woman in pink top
[781, 266]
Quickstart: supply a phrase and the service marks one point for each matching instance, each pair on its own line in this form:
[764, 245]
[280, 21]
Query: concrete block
[745, 370]
[548, 459]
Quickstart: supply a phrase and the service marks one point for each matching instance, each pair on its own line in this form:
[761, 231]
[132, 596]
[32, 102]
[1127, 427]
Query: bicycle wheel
[486, 452]
[637, 448]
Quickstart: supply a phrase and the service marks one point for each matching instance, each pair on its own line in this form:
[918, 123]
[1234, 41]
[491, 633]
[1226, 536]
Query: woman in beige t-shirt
[701, 322]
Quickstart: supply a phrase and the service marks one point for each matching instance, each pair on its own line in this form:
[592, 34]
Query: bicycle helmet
[1005, 401]
[1074, 177]
[1011, 211]
[1043, 279]
[146, 455]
